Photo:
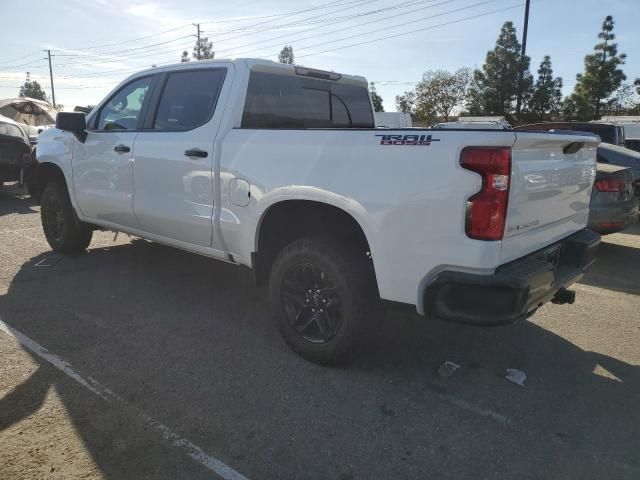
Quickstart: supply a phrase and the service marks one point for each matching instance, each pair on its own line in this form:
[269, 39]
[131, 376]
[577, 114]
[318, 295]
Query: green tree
[443, 91]
[636, 83]
[375, 98]
[286, 55]
[602, 76]
[475, 99]
[437, 95]
[202, 50]
[32, 89]
[405, 103]
[623, 100]
[546, 96]
[496, 85]
[205, 52]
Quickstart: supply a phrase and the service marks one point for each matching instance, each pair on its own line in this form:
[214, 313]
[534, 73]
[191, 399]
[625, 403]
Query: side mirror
[73, 122]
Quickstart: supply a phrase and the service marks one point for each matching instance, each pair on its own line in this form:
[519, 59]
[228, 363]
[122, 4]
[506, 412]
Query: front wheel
[320, 294]
[64, 232]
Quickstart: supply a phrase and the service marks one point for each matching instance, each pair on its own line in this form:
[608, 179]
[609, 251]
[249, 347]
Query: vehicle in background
[632, 144]
[629, 123]
[621, 156]
[15, 152]
[613, 205]
[393, 120]
[608, 132]
[488, 125]
[280, 168]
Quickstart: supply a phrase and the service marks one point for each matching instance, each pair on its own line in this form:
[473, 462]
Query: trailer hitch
[563, 296]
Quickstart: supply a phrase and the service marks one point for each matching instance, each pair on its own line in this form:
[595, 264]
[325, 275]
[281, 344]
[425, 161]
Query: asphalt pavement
[137, 361]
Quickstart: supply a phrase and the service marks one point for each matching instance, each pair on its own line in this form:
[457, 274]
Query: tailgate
[549, 192]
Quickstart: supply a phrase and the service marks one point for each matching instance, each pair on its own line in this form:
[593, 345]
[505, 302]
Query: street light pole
[53, 93]
[524, 51]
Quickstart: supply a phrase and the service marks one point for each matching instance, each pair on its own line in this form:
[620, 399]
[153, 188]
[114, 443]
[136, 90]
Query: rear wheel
[320, 294]
[64, 232]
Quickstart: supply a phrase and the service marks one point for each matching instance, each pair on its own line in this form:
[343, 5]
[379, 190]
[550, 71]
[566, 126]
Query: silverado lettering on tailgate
[421, 140]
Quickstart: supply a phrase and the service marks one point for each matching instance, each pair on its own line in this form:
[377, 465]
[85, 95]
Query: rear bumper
[516, 288]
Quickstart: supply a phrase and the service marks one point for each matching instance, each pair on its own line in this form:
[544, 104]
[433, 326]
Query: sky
[97, 44]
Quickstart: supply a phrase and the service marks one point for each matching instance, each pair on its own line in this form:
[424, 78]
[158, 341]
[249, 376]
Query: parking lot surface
[180, 372]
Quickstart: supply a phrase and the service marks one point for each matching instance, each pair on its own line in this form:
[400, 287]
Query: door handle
[196, 152]
[122, 148]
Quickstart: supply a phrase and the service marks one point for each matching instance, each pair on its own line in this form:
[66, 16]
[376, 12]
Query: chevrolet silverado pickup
[279, 168]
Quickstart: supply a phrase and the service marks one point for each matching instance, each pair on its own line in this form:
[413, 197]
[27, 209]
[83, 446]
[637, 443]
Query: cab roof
[254, 64]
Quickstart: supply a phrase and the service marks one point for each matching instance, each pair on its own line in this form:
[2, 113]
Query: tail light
[611, 185]
[487, 209]
[26, 158]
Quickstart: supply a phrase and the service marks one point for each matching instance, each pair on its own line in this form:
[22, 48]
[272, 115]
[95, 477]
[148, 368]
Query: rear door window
[285, 101]
[188, 99]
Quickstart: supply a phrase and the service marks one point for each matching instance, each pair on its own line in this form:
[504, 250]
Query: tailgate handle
[573, 147]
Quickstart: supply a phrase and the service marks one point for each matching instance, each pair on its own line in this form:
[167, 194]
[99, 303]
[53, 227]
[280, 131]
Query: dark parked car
[614, 206]
[608, 132]
[622, 157]
[15, 152]
[632, 144]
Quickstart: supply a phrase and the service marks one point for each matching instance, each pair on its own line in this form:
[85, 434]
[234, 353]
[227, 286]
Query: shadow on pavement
[15, 200]
[617, 267]
[24, 400]
[188, 341]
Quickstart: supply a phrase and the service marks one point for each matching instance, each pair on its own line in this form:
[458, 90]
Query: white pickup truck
[279, 168]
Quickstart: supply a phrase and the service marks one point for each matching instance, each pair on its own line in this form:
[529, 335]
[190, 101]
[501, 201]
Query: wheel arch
[288, 219]
[47, 172]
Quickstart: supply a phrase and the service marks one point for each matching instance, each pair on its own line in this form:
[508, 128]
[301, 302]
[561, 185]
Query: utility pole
[197, 25]
[524, 51]
[53, 93]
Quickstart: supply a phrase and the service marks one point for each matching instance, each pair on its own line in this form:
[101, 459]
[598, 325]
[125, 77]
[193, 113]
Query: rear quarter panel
[410, 200]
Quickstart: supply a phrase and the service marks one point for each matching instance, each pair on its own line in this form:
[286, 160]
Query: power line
[324, 5]
[74, 87]
[403, 24]
[13, 67]
[38, 52]
[118, 71]
[120, 53]
[413, 31]
[306, 21]
[91, 47]
[358, 3]
[348, 27]
[105, 45]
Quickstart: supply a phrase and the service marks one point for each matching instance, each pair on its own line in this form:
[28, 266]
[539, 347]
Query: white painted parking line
[191, 449]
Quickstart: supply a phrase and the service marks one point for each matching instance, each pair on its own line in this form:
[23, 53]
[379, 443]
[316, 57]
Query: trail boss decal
[422, 140]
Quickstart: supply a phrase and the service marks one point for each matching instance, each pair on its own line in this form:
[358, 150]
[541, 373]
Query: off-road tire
[349, 269]
[64, 232]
